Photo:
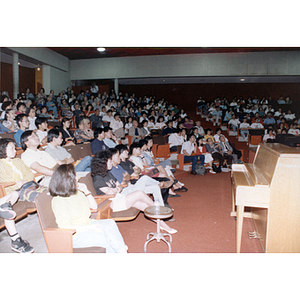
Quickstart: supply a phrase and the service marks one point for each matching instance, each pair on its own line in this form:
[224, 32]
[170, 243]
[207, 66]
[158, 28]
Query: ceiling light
[18, 63]
[100, 49]
[242, 79]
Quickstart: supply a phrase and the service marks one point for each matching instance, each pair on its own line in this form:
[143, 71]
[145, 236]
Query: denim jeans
[194, 160]
[149, 186]
[244, 133]
[84, 165]
[54, 109]
[100, 233]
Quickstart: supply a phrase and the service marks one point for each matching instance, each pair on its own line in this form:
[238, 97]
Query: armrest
[101, 198]
[3, 186]
[59, 240]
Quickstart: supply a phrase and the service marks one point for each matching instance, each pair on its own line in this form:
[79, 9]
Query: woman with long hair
[72, 203]
[105, 183]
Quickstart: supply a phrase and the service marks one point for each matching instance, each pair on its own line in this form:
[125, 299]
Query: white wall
[208, 64]
[56, 74]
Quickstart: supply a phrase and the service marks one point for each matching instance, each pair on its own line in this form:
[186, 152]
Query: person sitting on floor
[189, 150]
[105, 183]
[72, 203]
[61, 155]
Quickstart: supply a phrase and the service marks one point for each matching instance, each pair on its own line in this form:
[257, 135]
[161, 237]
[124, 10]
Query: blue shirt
[118, 172]
[97, 145]
[269, 121]
[17, 137]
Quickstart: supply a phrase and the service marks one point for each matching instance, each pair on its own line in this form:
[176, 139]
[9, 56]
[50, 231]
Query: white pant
[149, 186]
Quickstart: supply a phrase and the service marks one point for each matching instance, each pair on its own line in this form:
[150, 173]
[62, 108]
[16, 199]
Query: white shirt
[257, 126]
[32, 123]
[188, 147]
[244, 125]
[235, 122]
[294, 131]
[175, 140]
[41, 134]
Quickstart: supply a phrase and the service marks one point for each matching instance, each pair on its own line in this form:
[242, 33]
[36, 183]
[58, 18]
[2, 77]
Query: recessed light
[100, 49]
[18, 63]
[242, 79]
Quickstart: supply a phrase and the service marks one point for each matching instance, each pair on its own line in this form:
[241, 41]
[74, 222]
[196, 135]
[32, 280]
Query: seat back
[84, 150]
[44, 210]
[73, 150]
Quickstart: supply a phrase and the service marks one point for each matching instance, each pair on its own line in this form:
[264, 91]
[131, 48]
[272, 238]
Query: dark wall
[187, 94]
[26, 79]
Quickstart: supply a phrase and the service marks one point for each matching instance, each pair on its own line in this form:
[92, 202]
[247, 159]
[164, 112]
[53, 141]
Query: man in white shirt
[244, 128]
[38, 161]
[188, 149]
[294, 130]
[117, 126]
[234, 123]
[42, 126]
[257, 125]
[200, 128]
[108, 118]
[61, 155]
[175, 139]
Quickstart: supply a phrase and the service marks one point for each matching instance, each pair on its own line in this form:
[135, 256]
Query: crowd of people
[129, 173]
[252, 113]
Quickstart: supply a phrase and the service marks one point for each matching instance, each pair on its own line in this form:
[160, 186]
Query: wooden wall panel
[6, 81]
[186, 95]
[26, 79]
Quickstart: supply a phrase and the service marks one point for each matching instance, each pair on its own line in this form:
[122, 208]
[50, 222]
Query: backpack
[216, 169]
[200, 169]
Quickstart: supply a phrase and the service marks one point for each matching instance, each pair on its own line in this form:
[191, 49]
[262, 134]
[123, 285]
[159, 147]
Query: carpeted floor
[202, 218]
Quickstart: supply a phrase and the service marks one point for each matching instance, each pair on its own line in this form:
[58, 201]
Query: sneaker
[212, 172]
[21, 246]
[7, 212]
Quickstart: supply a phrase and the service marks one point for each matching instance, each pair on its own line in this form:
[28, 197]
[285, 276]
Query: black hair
[144, 121]
[6, 113]
[52, 133]
[24, 138]
[134, 146]
[99, 163]
[121, 148]
[113, 151]
[6, 104]
[20, 104]
[39, 121]
[98, 131]
[143, 142]
[107, 129]
[19, 118]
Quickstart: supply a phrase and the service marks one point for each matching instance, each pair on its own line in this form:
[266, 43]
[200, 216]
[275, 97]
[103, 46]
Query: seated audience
[227, 151]
[105, 183]
[117, 126]
[175, 139]
[83, 133]
[61, 155]
[135, 131]
[269, 135]
[23, 124]
[68, 136]
[8, 214]
[109, 139]
[42, 129]
[96, 120]
[38, 161]
[201, 150]
[10, 120]
[189, 150]
[72, 203]
[97, 144]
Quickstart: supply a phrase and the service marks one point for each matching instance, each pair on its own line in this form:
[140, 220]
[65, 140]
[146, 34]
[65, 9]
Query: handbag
[26, 191]
[216, 169]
